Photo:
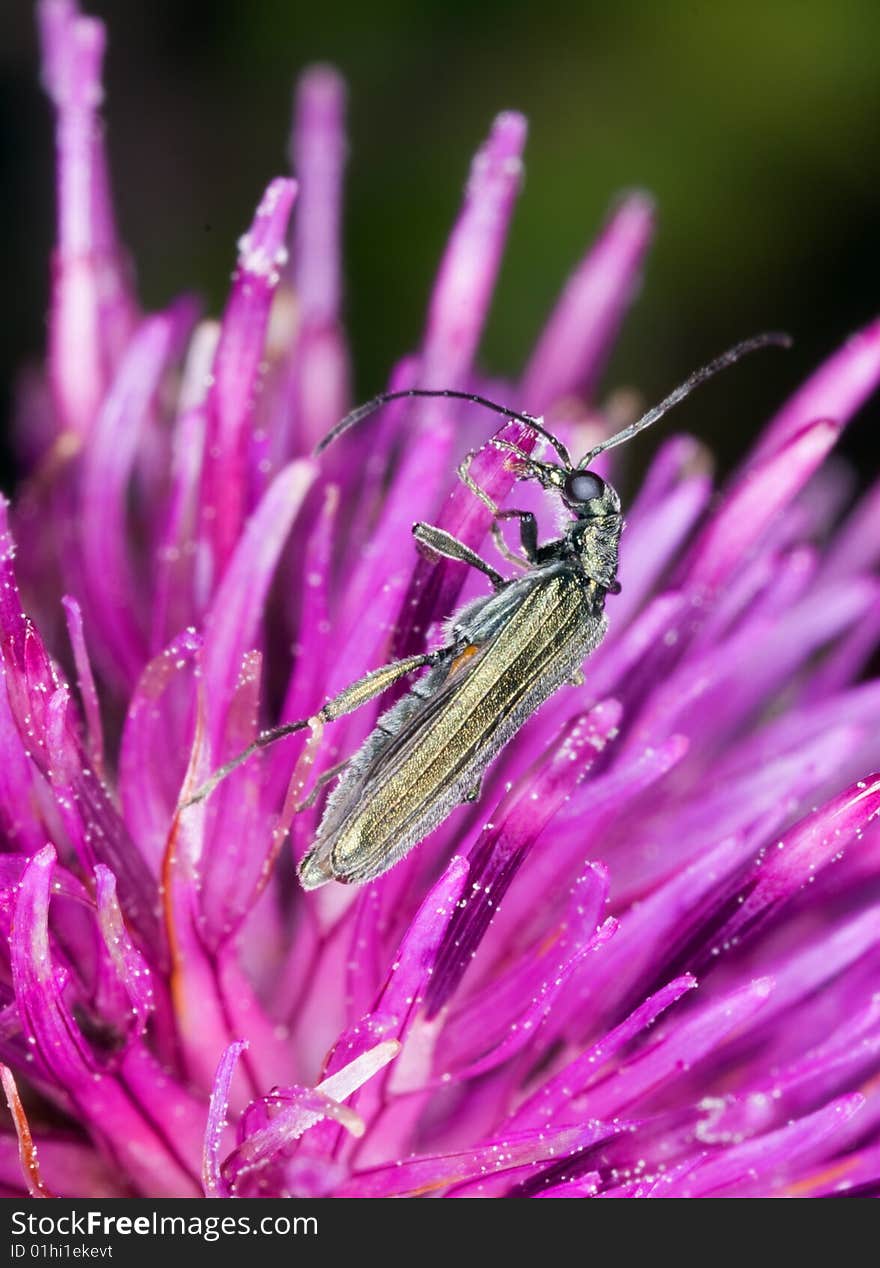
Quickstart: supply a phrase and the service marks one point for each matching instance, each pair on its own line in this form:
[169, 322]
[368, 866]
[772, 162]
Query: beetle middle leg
[436, 541]
[528, 536]
[322, 779]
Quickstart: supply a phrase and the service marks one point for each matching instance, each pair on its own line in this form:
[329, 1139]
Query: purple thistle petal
[111, 586]
[763, 1165]
[585, 1186]
[617, 660]
[456, 315]
[571, 352]
[848, 1056]
[382, 570]
[519, 931]
[232, 620]
[520, 1150]
[236, 376]
[201, 1013]
[472, 258]
[681, 457]
[92, 308]
[41, 712]
[791, 732]
[654, 932]
[517, 822]
[521, 1032]
[799, 974]
[697, 698]
[836, 390]
[154, 753]
[587, 820]
[95, 828]
[177, 537]
[807, 847]
[318, 155]
[857, 1175]
[499, 1020]
[551, 1100]
[86, 682]
[212, 999]
[70, 1167]
[64, 883]
[854, 547]
[27, 1150]
[21, 823]
[844, 663]
[269, 1058]
[304, 694]
[651, 1072]
[129, 966]
[228, 879]
[400, 1001]
[657, 529]
[374, 468]
[754, 501]
[64, 1055]
[212, 1181]
[320, 372]
[30, 677]
[757, 586]
[762, 798]
[257, 1166]
[411, 968]
[267, 1158]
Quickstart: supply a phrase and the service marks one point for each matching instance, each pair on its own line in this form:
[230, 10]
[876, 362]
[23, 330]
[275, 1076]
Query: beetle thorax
[596, 543]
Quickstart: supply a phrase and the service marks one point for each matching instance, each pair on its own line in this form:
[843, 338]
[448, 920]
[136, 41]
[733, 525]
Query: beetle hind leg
[350, 698]
[319, 783]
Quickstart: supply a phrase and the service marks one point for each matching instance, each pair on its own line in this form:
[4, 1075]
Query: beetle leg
[437, 542]
[528, 534]
[503, 549]
[319, 784]
[470, 483]
[547, 475]
[350, 698]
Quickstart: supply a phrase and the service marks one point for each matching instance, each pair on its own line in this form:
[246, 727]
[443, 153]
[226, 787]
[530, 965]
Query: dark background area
[755, 126]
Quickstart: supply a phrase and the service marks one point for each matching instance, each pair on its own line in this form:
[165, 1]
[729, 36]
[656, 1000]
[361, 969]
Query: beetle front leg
[545, 473]
[464, 474]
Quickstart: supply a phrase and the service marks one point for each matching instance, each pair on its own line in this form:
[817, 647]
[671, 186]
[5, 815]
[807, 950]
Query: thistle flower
[644, 964]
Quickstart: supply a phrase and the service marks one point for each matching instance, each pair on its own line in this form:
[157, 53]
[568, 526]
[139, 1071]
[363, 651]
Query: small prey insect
[504, 655]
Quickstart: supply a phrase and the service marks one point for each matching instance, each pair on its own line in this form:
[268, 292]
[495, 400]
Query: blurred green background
[755, 126]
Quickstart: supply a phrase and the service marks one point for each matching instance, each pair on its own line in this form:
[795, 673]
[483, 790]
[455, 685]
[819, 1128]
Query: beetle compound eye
[582, 486]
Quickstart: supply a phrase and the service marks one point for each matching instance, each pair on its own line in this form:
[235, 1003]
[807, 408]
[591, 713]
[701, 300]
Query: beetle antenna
[370, 407]
[730, 357]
